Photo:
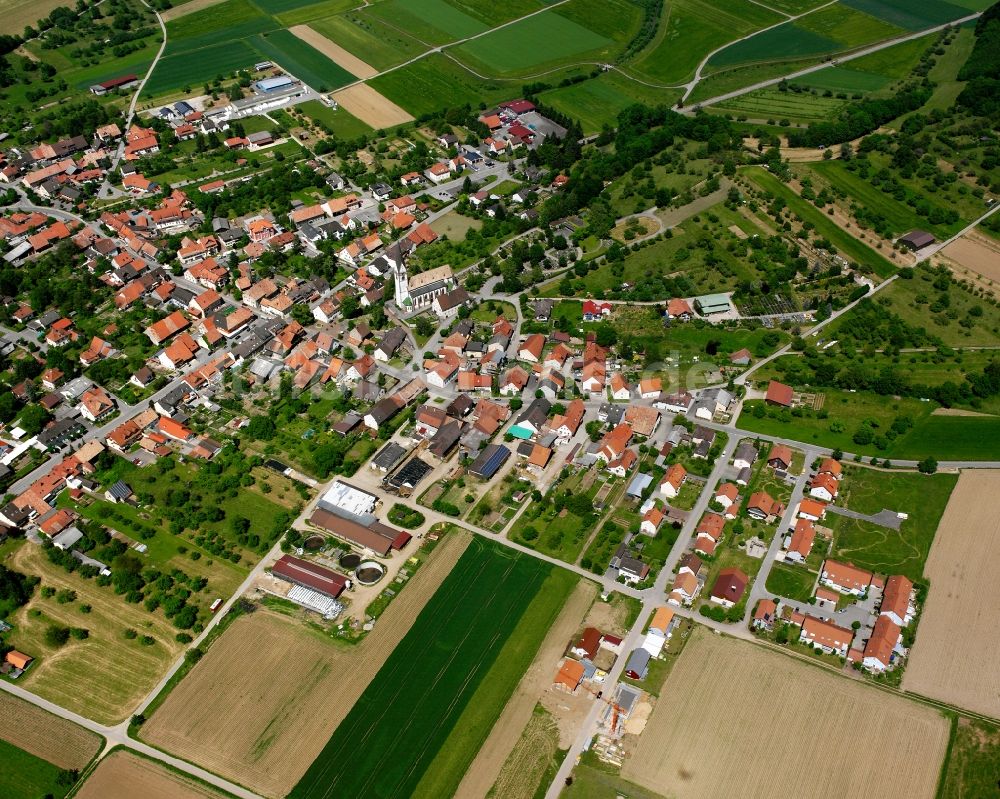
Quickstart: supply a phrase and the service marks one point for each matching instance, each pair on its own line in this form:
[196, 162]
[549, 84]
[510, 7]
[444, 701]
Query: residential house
[729, 587]
[779, 394]
[764, 507]
[897, 600]
[879, 652]
[746, 455]
[845, 578]
[95, 404]
[780, 457]
[672, 481]
[826, 636]
[801, 542]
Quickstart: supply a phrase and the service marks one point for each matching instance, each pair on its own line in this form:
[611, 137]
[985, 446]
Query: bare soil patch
[49, 737]
[976, 257]
[955, 655]
[188, 8]
[124, 775]
[956, 412]
[371, 107]
[264, 700]
[725, 699]
[337, 54]
[486, 767]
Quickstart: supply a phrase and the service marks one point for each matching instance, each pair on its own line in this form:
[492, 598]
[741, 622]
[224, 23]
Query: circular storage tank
[350, 560]
[369, 572]
[314, 542]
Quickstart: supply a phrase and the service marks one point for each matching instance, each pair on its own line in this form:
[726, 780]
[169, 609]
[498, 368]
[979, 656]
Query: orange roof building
[569, 676]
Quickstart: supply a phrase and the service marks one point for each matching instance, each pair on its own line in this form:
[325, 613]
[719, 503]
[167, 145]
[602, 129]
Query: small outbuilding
[917, 239]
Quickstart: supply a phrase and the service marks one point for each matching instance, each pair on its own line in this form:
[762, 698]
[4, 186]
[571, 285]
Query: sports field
[493, 598]
[957, 634]
[294, 688]
[734, 699]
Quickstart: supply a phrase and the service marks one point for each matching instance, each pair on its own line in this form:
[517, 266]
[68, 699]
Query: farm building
[344, 497]
[916, 239]
[779, 394]
[124, 82]
[309, 575]
[273, 84]
[709, 304]
[376, 537]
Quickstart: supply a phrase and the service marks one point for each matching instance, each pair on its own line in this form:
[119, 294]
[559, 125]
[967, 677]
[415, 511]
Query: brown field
[105, 676]
[188, 8]
[125, 775]
[263, 702]
[529, 760]
[362, 101]
[18, 14]
[955, 655]
[336, 53]
[486, 767]
[730, 707]
[43, 735]
[977, 257]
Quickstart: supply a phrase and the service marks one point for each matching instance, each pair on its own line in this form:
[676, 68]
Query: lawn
[25, 776]
[435, 83]
[922, 497]
[493, 601]
[541, 39]
[693, 28]
[371, 39]
[793, 582]
[849, 246]
[302, 60]
[455, 225]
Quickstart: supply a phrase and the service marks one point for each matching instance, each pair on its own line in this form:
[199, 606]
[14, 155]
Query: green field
[494, 601]
[793, 582]
[844, 79]
[881, 549]
[775, 104]
[786, 42]
[435, 83]
[312, 11]
[914, 15]
[374, 41]
[302, 60]
[25, 776]
[693, 28]
[430, 21]
[543, 38]
[597, 102]
[343, 124]
[277, 7]
[849, 246]
[973, 760]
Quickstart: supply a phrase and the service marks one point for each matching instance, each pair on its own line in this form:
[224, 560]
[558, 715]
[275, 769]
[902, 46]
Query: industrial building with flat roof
[342, 496]
[273, 84]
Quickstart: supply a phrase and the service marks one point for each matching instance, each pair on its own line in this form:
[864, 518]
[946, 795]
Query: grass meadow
[793, 582]
[343, 124]
[597, 102]
[25, 776]
[371, 39]
[493, 601]
[973, 760]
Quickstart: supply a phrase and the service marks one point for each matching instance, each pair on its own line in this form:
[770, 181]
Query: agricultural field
[973, 760]
[922, 497]
[435, 83]
[104, 675]
[975, 256]
[25, 776]
[691, 30]
[303, 60]
[494, 601]
[800, 107]
[914, 15]
[19, 14]
[597, 102]
[124, 774]
[307, 12]
[549, 38]
[722, 688]
[369, 38]
[956, 628]
[45, 736]
[433, 22]
[532, 763]
[296, 686]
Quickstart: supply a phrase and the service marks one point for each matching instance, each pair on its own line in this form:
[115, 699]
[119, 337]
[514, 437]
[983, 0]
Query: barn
[309, 575]
[489, 461]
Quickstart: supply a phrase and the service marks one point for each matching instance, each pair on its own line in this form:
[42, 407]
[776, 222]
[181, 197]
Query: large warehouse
[302, 572]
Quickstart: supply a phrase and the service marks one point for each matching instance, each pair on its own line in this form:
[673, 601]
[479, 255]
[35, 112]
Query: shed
[917, 239]
[302, 572]
[708, 304]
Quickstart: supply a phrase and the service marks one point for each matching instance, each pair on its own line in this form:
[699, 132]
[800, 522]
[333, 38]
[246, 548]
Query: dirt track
[486, 766]
[124, 775]
[263, 702]
[957, 648]
[371, 107]
[728, 707]
[337, 54]
[43, 735]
